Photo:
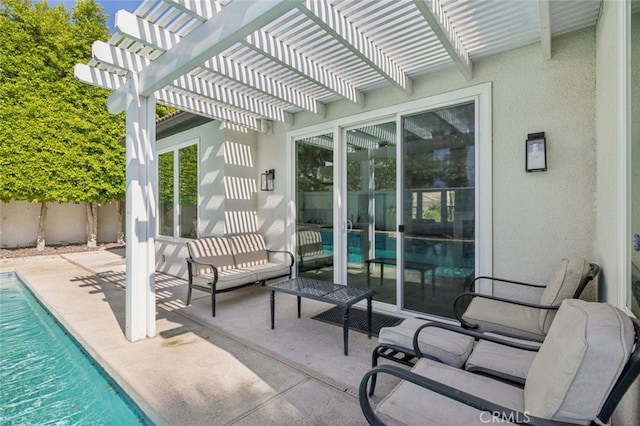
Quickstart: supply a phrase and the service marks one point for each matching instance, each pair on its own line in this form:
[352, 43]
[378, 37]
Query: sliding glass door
[314, 183]
[371, 207]
[438, 199]
[389, 202]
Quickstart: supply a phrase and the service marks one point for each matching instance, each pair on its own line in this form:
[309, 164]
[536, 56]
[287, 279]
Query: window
[178, 191]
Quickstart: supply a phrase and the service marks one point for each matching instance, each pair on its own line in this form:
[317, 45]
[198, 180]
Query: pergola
[252, 62]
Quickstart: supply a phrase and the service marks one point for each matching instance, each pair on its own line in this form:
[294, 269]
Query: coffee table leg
[299, 298]
[345, 328]
[369, 319]
[272, 300]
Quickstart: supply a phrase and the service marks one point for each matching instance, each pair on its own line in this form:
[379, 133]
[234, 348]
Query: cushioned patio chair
[484, 353]
[588, 361]
[521, 309]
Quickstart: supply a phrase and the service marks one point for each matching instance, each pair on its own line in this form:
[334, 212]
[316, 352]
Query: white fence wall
[66, 224]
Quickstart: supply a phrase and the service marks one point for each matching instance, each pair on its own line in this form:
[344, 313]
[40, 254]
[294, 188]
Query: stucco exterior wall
[538, 218]
[227, 178]
[66, 224]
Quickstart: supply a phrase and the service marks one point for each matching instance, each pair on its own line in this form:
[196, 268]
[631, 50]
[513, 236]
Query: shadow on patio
[231, 369]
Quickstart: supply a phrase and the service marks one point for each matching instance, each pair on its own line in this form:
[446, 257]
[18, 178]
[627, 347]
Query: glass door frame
[625, 176]
[481, 96]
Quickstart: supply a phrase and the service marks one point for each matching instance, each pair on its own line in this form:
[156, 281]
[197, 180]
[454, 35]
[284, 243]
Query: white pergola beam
[264, 84]
[133, 27]
[196, 8]
[96, 77]
[125, 60]
[441, 26]
[235, 99]
[201, 107]
[281, 53]
[120, 58]
[241, 74]
[234, 23]
[329, 19]
[545, 28]
[139, 29]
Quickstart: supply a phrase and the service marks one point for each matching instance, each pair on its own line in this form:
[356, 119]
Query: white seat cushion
[444, 345]
[227, 279]
[270, 270]
[409, 404]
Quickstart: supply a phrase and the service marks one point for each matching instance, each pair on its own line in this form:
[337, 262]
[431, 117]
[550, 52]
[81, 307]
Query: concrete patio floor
[228, 370]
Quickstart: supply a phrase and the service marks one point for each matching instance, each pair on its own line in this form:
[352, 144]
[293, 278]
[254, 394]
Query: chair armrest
[285, 254]
[503, 280]
[499, 299]
[474, 334]
[496, 410]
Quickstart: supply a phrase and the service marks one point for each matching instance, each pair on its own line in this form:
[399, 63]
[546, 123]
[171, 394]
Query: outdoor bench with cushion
[221, 264]
[311, 254]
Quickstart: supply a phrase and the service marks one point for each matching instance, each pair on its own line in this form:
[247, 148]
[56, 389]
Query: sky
[110, 7]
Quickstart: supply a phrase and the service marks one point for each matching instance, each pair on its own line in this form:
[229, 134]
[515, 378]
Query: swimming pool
[45, 376]
[421, 250]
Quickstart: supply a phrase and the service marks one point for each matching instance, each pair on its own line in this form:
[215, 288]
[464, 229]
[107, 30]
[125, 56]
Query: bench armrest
[285, 257]
[193, 262]
[199, 263]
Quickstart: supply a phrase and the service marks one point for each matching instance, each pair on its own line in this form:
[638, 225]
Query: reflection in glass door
[438, 207]
[371, 209]
[314, 202]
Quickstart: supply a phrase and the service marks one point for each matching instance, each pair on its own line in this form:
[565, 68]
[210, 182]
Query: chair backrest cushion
[249, 250]
[309, 243]
[562, 285]
[579, 362]
[214, 250]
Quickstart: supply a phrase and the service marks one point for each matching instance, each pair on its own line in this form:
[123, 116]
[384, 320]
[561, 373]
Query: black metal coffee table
[323, 291]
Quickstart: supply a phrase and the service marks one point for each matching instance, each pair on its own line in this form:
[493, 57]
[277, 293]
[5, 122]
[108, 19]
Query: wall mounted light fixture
[266, 180]
[536, 152]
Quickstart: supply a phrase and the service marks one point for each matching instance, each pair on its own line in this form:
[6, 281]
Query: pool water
[420, 250]
[45, 377]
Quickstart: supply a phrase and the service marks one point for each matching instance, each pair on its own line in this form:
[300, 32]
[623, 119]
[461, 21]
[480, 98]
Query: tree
[58, 142]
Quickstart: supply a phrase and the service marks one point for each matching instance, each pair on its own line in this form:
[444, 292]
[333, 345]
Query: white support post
[141, 176]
